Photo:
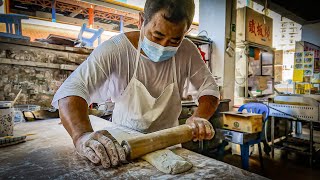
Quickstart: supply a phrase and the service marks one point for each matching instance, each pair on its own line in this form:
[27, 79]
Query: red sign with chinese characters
[258, 28]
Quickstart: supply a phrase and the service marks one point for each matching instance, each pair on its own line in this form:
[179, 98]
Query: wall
[215, 18]
[311, 33]
[38, 70]
[213, 21]
[38, 84]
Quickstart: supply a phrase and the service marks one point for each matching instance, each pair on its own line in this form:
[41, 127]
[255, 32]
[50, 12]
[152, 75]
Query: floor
[295, 166]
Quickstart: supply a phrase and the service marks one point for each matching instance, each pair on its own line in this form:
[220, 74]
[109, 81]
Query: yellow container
[243, 122]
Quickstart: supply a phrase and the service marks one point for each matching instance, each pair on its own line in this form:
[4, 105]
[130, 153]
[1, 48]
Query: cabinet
[254, 71]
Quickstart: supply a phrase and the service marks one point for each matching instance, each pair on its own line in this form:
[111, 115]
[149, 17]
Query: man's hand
[100, 146]
[202, 128]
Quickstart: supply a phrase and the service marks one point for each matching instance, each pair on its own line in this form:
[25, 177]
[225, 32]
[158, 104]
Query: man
[144, 72]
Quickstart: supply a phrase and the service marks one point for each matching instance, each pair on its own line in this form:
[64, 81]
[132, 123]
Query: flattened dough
[164, 160]
[168, 162]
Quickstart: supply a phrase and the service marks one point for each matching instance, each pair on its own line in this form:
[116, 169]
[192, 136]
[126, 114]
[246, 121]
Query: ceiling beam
[106, 7]
[76, 12]
[114, 5]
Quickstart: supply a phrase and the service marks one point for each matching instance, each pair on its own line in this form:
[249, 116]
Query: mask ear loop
[138, 50]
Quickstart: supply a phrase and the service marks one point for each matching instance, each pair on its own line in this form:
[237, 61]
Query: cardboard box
[243, 122]
[278, 57]
[278, 73]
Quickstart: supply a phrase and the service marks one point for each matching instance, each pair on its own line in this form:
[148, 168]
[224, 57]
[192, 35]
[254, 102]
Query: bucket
[6, 119]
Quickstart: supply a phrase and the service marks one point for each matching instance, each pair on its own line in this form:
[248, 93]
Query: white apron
[138, 110]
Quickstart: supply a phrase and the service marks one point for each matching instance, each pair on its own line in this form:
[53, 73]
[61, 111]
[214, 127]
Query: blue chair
[13, 26]
[257, 108]
[88, 42]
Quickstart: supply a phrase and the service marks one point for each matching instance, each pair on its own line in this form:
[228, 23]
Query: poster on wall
[298, 61]
[308, 63]
[303, 64]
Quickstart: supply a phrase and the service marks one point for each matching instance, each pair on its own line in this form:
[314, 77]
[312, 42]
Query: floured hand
[202, 128]
[101, 147]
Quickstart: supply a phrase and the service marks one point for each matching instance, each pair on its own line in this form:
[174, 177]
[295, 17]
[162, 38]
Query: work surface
[50, 154]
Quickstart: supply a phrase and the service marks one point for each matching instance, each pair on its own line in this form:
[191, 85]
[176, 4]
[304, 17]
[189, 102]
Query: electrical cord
[202, 32]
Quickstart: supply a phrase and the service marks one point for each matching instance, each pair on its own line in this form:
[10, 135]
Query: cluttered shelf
[199, 40]
[297, 144]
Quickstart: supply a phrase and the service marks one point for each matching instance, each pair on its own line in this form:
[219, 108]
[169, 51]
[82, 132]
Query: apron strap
[138, 53]
[174, 70]
[189, 75]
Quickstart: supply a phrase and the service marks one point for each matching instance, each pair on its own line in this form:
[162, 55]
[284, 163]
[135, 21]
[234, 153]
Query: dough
[164, 160]
[168, 162]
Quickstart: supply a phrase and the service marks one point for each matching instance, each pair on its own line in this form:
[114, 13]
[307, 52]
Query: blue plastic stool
[13, 25]
[89, 41]
[257, 108]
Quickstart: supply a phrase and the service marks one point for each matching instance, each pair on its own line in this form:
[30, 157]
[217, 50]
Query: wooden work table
[50, 154]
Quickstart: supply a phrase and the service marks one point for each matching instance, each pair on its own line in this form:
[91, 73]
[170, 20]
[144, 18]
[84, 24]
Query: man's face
[164, 32]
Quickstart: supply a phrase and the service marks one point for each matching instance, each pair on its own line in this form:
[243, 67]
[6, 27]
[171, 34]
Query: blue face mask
[156, 52]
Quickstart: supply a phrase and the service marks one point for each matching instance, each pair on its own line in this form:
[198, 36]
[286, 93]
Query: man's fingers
[209, 131]
[110, 148]
[195, 131]
[89, 153]
[202, 130]
[100, 151]
[121, 153]
[213, 132]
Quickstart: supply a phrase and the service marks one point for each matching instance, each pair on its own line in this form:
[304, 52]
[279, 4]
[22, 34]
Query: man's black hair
[175, 10]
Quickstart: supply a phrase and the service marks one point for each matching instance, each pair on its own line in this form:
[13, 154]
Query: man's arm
[207, 106]
[202, 128]
[73, 111]
[207, 95]
[81, 88]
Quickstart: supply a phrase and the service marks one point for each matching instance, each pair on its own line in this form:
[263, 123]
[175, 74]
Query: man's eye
[175, 42]
[156, 38]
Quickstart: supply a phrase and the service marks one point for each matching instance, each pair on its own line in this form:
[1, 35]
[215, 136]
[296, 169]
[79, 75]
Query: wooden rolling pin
[138, 146]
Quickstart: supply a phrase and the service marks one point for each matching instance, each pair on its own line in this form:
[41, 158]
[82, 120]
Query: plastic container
[6, 119]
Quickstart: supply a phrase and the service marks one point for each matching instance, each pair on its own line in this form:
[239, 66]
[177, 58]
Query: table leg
[7, 27]
[10, 28]
[286, 137]
[272, 137]
[311, 144]
[201, 146]
[245, 155]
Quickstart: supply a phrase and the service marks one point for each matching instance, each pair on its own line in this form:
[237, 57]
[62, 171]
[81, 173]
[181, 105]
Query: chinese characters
[258, 29]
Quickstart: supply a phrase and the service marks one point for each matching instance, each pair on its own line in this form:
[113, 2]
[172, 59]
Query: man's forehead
[160, 25]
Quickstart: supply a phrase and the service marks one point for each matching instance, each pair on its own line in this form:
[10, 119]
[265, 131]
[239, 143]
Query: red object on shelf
[203, 54]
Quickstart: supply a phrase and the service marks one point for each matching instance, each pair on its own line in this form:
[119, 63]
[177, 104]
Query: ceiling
[301, 11]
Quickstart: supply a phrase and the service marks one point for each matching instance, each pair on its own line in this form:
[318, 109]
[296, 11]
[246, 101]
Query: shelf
[306, 83]
[199, 40]
[306, 137]
[279, 145]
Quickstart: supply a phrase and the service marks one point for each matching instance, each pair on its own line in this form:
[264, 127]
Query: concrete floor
[295, 166]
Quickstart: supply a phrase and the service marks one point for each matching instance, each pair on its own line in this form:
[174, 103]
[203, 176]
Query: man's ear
[141, 19]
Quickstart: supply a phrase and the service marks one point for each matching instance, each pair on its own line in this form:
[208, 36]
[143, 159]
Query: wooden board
[254, 27]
